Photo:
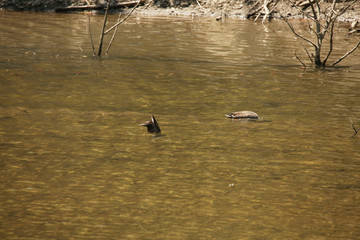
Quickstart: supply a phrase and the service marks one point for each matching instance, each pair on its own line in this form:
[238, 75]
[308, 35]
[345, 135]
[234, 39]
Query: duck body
[152, 126]
[243, 115]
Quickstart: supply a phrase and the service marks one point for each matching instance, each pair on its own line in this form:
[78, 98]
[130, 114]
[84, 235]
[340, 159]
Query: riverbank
[210, 8]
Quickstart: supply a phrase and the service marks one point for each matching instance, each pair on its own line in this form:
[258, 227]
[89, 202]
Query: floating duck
[242, 115]
[152, 126]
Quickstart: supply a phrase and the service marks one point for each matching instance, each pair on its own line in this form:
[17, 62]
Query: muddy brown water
[75, 164]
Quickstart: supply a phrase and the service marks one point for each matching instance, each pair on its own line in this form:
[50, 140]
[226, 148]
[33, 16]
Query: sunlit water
[75, 164]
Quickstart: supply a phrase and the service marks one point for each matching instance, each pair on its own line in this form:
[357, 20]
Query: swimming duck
[242, 115]
[152, 126]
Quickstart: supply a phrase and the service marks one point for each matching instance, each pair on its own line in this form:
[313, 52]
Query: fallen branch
[262, 9]
[98, 7]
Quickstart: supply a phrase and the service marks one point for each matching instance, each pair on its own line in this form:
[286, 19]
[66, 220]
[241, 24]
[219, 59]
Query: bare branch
[113, 36]
[103, 28]
[124, 19]
[356, 131]
[347, 54]
[257, 16]
[315, 16]
[298, 35]
[318, 10]
[305, 49]
[299, 60]
[321, 27]
[332, 11]
[330, 42]
[352, 124]
[310, 27]
[252, 12]
[343, 10]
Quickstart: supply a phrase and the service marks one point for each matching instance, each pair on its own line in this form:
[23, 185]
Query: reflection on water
[75, 164]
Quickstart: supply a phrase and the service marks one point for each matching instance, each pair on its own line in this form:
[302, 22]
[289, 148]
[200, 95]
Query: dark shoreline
[211, 8]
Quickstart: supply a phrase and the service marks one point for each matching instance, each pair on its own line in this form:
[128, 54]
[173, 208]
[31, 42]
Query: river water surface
[75, 164]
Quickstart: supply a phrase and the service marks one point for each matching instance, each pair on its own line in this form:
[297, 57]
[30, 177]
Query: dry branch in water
[113, 36]
[356, 131]
[114, 27]
[91, 38]
[103, 28]
[346, 54]
[321, 25]
[125, 18]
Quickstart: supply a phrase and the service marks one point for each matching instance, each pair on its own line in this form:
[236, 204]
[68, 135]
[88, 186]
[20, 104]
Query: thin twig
[347, 54]
[258, 15]
[113, 36]
[310, 27]
[92, 42]
[330, 42]
[124, 19]
[343, 10]
[298, 35]
[253, 7]
[332, 11]
[301, 10]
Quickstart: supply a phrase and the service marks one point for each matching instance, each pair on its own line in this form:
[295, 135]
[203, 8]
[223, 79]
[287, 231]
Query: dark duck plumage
[152, 126]
[242, 115]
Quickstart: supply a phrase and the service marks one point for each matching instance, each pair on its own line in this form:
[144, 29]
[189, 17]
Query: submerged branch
[356, 131]
[91, 38]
